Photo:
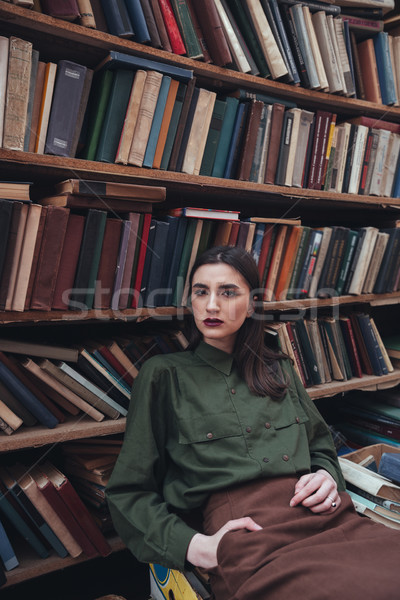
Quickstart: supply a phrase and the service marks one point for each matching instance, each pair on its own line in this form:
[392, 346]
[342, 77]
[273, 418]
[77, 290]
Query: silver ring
[333, 503]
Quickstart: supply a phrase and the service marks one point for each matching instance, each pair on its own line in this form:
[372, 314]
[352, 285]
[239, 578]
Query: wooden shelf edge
[73, 429]
[31, 566]
[367, 382]
[223, 77]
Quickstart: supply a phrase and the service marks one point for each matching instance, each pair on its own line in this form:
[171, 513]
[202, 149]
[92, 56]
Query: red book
[322, 124]
[68, 261]
[210, 23]
[108, 264]
[142, 255]
[175, 38]
[54, 497]
[266, 242]
[234, 233]
[296, 352]
[77, 508]
[111, 359]
[134, 219]
[278, 111]
[348, 334]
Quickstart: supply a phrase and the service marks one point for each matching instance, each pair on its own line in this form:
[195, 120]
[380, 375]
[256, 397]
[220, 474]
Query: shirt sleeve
[322, 449]
[139, 512]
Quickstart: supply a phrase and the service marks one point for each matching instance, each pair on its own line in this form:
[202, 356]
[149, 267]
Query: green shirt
[193, 428]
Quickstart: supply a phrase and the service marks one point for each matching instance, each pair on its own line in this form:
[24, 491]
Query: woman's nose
[212, 303]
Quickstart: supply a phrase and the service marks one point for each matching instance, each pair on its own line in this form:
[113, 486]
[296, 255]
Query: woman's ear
[250, 309]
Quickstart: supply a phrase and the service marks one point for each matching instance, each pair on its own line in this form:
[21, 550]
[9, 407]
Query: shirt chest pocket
[289, 419]
[208, 428]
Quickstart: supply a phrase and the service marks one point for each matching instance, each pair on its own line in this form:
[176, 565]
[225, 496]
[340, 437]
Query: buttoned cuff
[178, 543]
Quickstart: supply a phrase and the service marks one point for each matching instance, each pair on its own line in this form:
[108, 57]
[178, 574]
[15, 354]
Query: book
[151, 290]
[156, 122]
[329, 58]
[14, 246]
[297, 15]
[186, 28]
[249, 140]
[7, 554]
[67, 10]
[68, 261]
[45, 106]
[369, 481]
[117, 17]
[171, 25]
[138, 21]
[211, 26]
[213, 137]
[197, 132]
[98, 102]
[114, 116]
[369, 70]
[145, 118]
[31, 93]
[278, 111]
[385, 68]
[131, 117]
[49, 258]
[115, 60]
[165, 123]
[105, 277]
[233, 37]
[4, 45]
[66, 101]
[17, 93]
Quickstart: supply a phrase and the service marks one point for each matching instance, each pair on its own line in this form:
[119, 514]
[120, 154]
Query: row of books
[332, 348]
[46, 384]
[314, 44]
[39, 504]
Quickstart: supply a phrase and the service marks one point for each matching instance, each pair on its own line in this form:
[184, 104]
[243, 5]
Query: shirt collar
[218, 359]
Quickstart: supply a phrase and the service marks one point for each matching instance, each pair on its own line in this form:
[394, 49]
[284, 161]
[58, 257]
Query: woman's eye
[229, 293]
[199, 292]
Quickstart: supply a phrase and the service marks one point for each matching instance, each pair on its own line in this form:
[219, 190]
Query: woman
[226, 427]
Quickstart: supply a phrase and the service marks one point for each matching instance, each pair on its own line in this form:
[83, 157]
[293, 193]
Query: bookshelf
[57, 39]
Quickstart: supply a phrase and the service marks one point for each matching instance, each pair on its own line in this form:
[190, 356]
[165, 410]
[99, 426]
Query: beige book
[317, 346]
[306, 118]
[390, 166]
[338, 374]
[376, 261]
[264, 35]
[250, 236]
[25, 480]
[232, 39]
[367, 480]
[11, 420]
[4, 48]
[193, 255]
[323, 249]
[145, 118]
[315, 48]
[360, 272]
[26, 257]
[16, 255]
[332, 69]
[131, 117]
[332, 31]
[341, 150]
[45, 106]
[25, 3]
[204, 133]
[293, 148]
[17, 93]
[84, 406]
[379, 163]
[122, 358]
[198, 130]
[87, 17]
[344, 57]
[381, 345]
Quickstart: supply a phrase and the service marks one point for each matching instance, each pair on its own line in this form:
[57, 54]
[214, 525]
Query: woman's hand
[202, 549]
[317, 491]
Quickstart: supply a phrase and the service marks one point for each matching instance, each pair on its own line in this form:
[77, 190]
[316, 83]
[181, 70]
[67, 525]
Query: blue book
[158, 259]
[225, 138]
[117, 18]
[385, 69]
[32, 514]
[7, 554]
[257, 241]
[157, 120]
[120, 60]
[175, 260]
[13, 514]
[27, 398]
[176, 113]
[138, 21]
[234, 140]
[173, 227]
[389, 466]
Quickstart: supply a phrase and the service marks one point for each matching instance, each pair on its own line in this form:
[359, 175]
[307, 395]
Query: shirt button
[267, 425]
[210, 435]
[248, 429]
[233, 391]
[297, 420]
[285, 457]
[265, 459]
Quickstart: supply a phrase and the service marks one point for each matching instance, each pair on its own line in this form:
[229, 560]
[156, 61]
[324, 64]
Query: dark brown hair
[257, 364]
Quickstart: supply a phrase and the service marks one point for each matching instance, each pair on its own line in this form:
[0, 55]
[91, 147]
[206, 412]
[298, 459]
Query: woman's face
[220, 304]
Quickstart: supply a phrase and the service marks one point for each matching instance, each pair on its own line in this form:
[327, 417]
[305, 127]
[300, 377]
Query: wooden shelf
[30, 566]
[70, 38]
[367, 382]
[180, 186]
[73, 429]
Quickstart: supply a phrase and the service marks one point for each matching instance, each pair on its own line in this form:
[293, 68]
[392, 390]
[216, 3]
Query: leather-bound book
[67, 10]
[108, 264]
[175, 38]
[249, 140]
[278, 111]
[210, 23]
[68, 261]
[160, 25]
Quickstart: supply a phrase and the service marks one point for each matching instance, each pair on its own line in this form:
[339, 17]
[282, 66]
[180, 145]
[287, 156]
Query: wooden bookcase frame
[60, 39]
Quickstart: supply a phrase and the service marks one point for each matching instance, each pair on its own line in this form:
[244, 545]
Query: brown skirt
[299, 555]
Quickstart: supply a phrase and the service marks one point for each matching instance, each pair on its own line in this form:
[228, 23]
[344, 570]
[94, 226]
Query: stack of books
[324, 349]
[45, 384]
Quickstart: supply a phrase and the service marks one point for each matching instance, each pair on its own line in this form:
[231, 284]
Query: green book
[176, 113]
[301, 254]
[98, 102]
[213, 136]
[185, 24]
[346, 261]
[88, 262]
[184, 262]
[225, 138]
[239, 9]
[157, 120]
[115, 115]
